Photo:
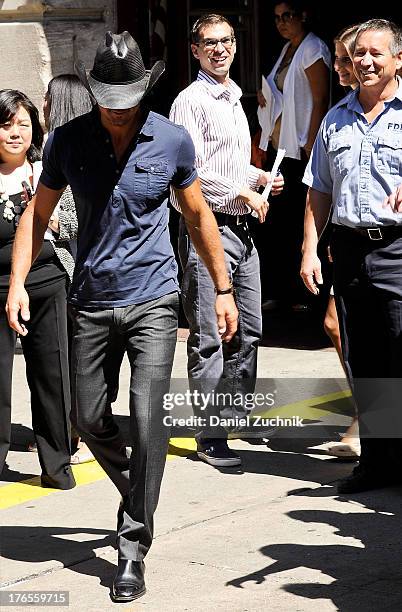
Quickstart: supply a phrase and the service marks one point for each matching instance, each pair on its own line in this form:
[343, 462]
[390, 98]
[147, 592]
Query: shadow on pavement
[363, 576]
[286, 458]
[41, 544]
[8, 475]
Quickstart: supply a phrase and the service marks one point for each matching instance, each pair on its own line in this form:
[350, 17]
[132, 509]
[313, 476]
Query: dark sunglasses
[286, 17]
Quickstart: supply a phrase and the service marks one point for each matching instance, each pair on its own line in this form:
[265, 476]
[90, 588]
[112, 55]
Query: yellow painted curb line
[302, 407]
[28, 490]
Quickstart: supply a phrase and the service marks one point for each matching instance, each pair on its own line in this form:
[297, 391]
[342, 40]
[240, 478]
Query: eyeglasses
[209, 44]
[286, 17]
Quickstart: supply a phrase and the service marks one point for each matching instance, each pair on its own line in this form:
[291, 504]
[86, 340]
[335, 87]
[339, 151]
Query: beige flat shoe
[82, 455]
[342, 450]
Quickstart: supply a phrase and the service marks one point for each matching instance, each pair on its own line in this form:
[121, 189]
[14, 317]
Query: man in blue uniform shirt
[356, 167]
[120, 161]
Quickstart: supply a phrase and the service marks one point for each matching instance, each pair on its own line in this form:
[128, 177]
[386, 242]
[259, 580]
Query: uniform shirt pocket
[339, 151]
[389, 154]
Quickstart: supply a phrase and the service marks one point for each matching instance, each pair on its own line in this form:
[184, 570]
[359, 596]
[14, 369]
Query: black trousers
[46, 359]
[368, 293]
[278, 240]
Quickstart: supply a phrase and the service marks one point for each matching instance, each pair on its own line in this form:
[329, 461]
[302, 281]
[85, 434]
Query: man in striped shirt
[211, 111]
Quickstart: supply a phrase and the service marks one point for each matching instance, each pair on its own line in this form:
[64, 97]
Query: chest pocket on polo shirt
[151, 179]
[389, 154]
[339, 146]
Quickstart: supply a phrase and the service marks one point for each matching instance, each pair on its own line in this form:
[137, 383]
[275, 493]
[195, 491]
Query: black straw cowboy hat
[118, 79]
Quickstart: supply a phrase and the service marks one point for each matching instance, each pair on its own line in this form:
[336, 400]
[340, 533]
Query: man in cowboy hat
[120, 162]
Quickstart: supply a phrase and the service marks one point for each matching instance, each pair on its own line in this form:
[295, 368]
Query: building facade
[41, 39]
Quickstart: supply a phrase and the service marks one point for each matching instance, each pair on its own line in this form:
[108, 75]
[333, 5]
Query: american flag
[157, 29]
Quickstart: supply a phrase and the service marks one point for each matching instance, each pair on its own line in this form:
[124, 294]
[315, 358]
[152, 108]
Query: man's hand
[227, 315]
[277, 184]
[394, 200]
[256, 202]
[18, 301]
[311, 272]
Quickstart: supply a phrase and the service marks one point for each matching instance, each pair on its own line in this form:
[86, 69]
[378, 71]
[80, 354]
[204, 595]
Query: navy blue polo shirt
[124, 254]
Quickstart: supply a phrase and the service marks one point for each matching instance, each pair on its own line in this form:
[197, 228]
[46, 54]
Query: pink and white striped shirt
[213, 115]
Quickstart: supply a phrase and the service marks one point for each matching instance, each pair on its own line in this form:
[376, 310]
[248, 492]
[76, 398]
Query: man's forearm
[207, 242]
[30, 232]
[318, 207]
[27, 245]
[204, 233]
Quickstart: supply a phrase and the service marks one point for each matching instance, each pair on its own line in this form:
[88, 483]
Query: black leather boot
[128, 583]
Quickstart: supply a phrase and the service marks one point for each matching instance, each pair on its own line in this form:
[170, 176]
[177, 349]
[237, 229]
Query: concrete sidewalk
[272, 536]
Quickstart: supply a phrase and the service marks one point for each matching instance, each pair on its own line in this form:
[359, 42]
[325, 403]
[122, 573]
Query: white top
[214, 117]
[36, 172]
[295, 104]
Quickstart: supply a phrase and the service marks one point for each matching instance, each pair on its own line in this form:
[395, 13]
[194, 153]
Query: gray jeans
[227, 368]
[148, 333]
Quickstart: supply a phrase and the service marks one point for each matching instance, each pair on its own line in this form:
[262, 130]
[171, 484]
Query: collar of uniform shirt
[351, 101]
[232, 92]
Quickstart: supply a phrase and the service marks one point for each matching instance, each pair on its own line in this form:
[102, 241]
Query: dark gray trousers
[231, 367]
[148, 333]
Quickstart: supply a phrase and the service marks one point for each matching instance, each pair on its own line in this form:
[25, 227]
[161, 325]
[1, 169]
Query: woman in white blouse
[297, 95]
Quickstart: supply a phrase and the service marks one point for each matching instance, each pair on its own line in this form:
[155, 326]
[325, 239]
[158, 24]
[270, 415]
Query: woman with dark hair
[297, 96]
[65, 99]
[45, 346]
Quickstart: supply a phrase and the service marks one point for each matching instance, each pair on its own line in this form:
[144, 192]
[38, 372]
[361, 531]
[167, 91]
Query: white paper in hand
[280, 154]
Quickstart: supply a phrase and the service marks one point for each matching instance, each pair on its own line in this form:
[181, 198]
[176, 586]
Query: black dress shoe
[363, 480]
[64, 480]
[216, 452]
[128, 583]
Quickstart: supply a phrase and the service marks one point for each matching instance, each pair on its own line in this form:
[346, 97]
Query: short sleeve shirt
[124, 254]
[359, 163]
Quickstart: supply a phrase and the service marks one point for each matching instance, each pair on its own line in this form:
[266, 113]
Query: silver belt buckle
[374, 233]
